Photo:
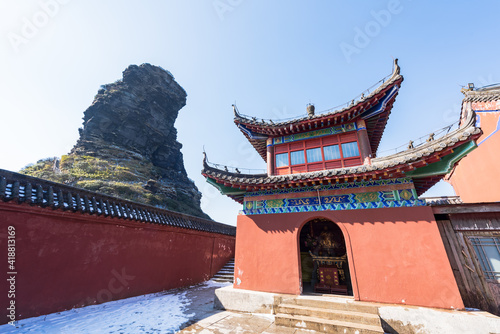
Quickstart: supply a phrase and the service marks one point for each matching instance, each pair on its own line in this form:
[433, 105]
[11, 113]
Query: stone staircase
[226, 274]
[328, 315]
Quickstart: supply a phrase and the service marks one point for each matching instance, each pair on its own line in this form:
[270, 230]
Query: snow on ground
[162, 312]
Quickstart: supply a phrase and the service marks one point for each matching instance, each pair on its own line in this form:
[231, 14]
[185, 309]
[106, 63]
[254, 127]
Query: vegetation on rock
[132, 179]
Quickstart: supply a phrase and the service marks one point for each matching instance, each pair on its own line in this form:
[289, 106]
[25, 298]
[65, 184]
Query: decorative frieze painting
[360, 198]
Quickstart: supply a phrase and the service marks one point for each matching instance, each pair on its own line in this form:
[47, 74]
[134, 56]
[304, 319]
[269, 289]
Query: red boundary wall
[395, 255]
[65, 260]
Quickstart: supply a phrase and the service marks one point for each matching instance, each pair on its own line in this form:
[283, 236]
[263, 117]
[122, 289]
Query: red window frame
[321, 142]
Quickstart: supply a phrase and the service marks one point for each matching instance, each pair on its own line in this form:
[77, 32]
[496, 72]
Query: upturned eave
[425, 165]
[374, 108]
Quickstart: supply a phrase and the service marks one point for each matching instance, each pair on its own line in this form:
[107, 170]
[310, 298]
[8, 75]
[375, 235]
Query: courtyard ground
[189, 310]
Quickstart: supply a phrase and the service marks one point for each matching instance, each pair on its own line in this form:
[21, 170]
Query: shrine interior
[324, 259]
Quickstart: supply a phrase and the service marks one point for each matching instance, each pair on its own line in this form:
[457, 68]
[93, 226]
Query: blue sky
[271, 58]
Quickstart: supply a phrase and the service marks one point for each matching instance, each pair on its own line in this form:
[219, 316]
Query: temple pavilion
[330, 216]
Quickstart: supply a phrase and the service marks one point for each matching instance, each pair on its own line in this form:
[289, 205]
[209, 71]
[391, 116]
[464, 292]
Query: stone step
[333, 303]
[226, 272]
[224, 276]
[342, 315]
[221, 280]
[325, 325]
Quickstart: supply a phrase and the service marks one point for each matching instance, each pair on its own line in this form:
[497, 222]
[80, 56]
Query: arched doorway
[323, 258]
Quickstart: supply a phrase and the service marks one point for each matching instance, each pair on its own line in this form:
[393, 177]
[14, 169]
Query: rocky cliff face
[136, 113]
[128, 144]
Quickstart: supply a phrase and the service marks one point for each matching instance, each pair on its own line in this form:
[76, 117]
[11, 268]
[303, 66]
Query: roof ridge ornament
[397, 69]
[205, 159]
[235, 110]
[310, 110]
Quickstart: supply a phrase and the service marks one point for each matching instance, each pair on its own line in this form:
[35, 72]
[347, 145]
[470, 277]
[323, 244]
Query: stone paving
[204, 319]
[225, 322]
[207, 320]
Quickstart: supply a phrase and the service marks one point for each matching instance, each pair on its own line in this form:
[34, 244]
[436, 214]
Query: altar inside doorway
[324, 263]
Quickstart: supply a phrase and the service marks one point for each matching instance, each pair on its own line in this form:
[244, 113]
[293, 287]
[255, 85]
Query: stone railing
[23, 189]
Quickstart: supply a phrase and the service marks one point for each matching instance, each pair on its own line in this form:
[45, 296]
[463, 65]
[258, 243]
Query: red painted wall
[66, 260]
[475, 178]
[395, 255]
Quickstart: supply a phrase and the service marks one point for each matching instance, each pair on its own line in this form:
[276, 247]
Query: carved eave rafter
[425, 165]
[373, 108]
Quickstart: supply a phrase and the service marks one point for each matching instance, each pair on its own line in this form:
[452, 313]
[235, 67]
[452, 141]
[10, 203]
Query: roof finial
[397, 69]
[236, 114]
[205, 160]
[310, 110]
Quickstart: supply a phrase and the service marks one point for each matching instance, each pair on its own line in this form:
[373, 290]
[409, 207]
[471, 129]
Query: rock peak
[148, 74]
[136, 113]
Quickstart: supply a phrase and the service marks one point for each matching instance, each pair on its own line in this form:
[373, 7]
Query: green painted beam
[225, 190]
[445, 165]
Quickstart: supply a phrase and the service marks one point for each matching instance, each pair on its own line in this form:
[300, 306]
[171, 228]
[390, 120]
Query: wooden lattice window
[488, 252]
[311, 155]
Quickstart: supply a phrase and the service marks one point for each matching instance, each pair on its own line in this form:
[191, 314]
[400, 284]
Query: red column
[364, 142]
[270, 157]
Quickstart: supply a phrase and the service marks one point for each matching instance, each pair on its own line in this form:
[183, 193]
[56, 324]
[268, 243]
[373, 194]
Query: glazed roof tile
[482, 94]
[442, 200]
